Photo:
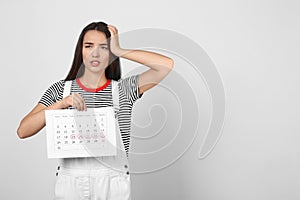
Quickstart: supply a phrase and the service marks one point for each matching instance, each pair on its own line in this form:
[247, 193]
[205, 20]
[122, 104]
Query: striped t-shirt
[102, 97]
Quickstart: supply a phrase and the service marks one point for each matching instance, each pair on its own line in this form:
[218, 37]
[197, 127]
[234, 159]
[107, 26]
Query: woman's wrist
[63, 104]
[121, 52]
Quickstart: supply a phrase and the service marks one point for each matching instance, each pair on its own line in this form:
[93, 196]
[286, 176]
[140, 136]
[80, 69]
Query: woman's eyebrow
[93, 43]
[88, 43]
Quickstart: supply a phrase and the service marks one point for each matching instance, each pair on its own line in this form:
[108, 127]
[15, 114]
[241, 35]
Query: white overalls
[95, 178]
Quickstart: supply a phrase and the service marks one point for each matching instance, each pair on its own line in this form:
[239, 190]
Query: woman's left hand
[114, 40]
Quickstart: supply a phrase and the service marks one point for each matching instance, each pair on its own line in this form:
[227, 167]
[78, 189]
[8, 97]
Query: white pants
[87, 179]
[92, 184]
[99, 178]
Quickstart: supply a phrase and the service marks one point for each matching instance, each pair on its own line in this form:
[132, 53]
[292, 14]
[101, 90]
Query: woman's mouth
[95, 63]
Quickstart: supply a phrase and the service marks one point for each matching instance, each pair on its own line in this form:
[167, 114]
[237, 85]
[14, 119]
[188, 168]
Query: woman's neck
[91, 80]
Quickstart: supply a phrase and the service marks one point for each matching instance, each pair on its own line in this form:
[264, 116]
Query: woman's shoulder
[53, 93]
[58, 84]
[57, 87]
[128, 83]
[128, 79]
[129, 86]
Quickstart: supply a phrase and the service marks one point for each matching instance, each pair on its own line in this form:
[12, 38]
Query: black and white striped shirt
[102, 97]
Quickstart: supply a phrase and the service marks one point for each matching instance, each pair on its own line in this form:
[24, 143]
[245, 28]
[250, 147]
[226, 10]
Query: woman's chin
[94, 69]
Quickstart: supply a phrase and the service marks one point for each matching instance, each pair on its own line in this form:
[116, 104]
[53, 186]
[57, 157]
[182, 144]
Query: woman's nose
[96, 52]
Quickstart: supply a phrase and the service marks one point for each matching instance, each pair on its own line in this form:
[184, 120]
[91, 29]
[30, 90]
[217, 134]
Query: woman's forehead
[94, 36]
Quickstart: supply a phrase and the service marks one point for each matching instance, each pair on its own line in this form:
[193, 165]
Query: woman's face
[95, 52]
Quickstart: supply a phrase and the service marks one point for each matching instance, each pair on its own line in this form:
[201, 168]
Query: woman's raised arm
[159, 65]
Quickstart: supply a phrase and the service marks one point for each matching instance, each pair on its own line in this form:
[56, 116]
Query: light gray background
[253, 45]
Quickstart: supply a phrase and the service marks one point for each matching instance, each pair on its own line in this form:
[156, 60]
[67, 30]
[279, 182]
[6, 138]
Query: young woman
[95, 65]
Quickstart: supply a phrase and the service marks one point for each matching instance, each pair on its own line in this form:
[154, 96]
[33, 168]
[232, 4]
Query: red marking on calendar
[73, 136]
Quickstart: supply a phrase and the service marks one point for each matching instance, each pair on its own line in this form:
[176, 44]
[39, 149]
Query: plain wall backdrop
[254, 45]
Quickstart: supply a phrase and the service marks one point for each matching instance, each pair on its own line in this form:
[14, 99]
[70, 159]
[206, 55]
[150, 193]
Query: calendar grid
[72, 133]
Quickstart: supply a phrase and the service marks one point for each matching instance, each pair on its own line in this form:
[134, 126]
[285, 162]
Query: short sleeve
[130, 87]
[53, 93]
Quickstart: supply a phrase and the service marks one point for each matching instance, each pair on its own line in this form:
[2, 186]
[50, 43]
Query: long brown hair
[113, 71]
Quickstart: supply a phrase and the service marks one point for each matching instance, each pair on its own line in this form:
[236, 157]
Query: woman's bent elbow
[20, 132]
[170, 64]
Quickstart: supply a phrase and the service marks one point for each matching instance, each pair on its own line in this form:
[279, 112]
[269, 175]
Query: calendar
[73, 133]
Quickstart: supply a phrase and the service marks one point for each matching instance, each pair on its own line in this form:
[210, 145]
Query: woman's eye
[89, 46]
[104, 48]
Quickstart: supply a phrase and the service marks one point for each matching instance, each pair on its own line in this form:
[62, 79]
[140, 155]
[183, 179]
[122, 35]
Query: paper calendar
[73, 133]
